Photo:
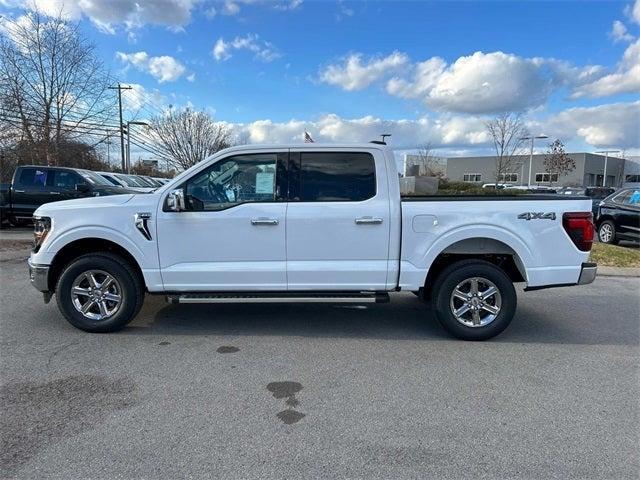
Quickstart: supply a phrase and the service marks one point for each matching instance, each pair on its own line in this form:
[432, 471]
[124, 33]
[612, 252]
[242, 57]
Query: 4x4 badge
[537, 216]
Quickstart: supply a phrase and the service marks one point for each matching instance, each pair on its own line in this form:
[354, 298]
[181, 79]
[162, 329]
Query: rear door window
[336, 177]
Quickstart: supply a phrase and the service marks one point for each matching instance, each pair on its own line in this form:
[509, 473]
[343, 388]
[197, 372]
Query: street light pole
[532, 138]
[606, 158]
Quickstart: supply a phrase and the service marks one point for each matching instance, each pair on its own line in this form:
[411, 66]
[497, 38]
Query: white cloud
[234, 7]
[611, 125]
[478, 83]
[626, 78]
[163, 68]
[221, 50]
[138, 98]
[605, 125]
[354, 74]
[107, 14]
[619, 32]
[445, 132]
[264, 51]
[633, 11]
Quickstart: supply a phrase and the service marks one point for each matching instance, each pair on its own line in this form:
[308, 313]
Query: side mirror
[82, 187]
[175, 200]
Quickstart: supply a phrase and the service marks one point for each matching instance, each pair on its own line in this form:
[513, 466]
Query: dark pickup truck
[35, 185]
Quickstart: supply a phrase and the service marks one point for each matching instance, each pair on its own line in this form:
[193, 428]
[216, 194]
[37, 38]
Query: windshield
[130, 181]
[144, 181]
[94, 178]
[111, 180]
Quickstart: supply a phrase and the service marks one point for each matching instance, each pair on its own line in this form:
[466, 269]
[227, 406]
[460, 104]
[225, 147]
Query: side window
[622, 198]
[66, 180]
[232, 181]
[33, 177]
[634, 198]
[337, 176]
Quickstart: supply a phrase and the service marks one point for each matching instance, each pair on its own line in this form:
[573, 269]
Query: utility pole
[606, 157]
[120, 88]
[129, 123]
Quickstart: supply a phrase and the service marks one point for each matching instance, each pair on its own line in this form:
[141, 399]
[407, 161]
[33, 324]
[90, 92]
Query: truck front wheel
[99, 292]
[474, 300]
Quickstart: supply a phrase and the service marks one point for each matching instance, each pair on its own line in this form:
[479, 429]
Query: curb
[604, 271]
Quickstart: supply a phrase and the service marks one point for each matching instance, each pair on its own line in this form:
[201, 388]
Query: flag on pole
[307, 137]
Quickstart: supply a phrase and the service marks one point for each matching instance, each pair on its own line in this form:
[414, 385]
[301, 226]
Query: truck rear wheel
[99, 292]
[474, 300]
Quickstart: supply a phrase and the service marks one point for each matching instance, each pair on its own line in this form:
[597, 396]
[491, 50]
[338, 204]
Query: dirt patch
[36, 415]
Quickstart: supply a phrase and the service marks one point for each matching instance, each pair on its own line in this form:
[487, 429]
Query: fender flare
[98, 232]
[523, 253]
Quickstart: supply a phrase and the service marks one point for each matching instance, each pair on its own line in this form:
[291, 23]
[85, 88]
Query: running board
[363, 297]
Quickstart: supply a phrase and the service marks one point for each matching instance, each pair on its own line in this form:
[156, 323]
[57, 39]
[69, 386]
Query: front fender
[46, 255]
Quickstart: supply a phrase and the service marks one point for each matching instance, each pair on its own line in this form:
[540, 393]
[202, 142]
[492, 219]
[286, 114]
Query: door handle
[18, 191]
[264, 221]
[54, 193]
[368, 221]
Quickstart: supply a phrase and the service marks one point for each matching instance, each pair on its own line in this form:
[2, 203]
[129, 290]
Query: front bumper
[39, 276]
[587, 273]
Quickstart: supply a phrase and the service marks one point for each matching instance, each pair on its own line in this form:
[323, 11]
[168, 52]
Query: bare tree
[53, 87]
[506, 131]
[186, 137]
[557, 161]
[428, 162]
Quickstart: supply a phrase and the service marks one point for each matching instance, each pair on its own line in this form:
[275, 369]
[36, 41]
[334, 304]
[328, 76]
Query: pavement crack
[59, 350]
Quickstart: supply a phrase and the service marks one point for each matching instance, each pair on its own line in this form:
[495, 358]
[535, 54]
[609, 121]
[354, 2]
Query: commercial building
[589, 171]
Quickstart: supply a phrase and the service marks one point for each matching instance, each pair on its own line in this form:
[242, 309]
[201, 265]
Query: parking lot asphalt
[321, 391]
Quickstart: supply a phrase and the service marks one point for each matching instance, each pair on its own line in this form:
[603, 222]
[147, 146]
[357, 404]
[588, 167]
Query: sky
[423, 71]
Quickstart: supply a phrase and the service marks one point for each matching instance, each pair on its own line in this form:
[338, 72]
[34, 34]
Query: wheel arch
[83, 246]
[510, 254]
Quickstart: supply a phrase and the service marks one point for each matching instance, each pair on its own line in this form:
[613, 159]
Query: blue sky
[347, 71]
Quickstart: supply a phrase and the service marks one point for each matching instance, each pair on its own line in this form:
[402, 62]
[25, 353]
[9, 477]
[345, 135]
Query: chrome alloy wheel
[605, 233]
[476, 302]
[96, 294]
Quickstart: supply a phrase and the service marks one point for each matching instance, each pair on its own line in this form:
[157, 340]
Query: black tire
[455, 274]
[612, 237]
[132, 291]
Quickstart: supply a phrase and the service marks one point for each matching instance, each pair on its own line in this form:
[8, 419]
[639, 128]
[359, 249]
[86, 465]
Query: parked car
[307, 223]
[596, 194]
[34, 185]
[536, 189]
[619, 216]
[118, 181]
[133, 182]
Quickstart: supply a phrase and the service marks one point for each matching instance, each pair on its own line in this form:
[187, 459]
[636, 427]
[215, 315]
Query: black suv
[619, 216]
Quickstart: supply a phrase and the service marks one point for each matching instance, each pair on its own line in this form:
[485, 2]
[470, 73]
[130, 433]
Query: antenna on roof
[383, 141]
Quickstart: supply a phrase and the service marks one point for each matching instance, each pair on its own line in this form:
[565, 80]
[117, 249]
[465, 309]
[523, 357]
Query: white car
[306, 223]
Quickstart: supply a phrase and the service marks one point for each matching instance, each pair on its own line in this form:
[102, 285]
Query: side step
[266, 297]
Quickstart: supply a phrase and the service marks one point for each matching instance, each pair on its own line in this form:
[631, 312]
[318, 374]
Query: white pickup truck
[306, 223]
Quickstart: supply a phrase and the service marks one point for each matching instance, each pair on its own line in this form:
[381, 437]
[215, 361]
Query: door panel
[334, 243]
[30, 190]
[232, 237]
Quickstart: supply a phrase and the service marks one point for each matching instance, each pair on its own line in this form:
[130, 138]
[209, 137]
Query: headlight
[41, 228]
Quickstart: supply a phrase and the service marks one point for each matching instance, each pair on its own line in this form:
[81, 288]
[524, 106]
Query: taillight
[579, 226]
